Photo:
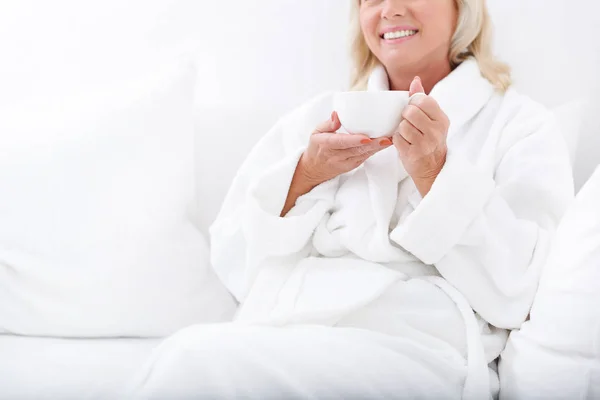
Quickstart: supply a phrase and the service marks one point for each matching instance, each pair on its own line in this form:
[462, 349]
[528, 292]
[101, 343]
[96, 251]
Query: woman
[391, 267]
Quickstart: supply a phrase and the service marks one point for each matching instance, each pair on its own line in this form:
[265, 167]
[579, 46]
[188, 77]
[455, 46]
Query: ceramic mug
[372, 113]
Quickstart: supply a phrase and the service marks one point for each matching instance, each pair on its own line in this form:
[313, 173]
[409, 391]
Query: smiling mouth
[398, 34]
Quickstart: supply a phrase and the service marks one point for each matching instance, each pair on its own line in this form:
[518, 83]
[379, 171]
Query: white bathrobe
[365, 289]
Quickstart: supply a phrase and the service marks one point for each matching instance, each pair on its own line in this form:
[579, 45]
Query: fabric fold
[456, 198]
[484, 229]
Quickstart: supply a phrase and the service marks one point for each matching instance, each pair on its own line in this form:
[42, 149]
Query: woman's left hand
[421, 138]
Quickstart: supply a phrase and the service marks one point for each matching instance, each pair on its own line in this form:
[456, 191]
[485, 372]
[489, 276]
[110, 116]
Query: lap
[244, 361]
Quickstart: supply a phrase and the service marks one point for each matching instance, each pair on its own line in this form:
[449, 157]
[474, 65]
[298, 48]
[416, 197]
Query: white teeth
[398, 34]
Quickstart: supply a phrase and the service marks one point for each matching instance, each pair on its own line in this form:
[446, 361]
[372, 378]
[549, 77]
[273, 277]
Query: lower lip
[399, 40]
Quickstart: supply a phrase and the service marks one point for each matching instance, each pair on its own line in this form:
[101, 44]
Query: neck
[430, 73]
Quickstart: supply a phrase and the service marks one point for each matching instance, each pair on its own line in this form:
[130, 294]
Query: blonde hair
[473, 38]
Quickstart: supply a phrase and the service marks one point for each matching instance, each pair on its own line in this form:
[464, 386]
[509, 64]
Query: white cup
[374, 113]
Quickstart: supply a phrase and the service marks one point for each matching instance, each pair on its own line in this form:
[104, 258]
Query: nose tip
[393, 9]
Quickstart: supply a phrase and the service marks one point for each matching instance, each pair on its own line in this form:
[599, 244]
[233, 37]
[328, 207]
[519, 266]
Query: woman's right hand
[328, 155]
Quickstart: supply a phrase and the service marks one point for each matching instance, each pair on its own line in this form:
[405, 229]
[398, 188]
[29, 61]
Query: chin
[396, 61]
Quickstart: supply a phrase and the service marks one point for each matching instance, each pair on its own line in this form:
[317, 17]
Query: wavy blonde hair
[473, 38]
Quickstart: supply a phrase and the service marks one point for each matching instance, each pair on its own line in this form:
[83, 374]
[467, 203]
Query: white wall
[268, 54]
[273, 51]
[53, 47]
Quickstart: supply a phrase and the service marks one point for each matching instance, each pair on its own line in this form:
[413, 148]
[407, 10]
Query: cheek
[369, 28]
[438, 22]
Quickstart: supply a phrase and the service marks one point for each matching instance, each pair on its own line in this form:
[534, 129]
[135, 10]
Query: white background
[265, 57]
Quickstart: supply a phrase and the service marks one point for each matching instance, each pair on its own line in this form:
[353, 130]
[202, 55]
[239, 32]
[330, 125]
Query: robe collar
[461, 94]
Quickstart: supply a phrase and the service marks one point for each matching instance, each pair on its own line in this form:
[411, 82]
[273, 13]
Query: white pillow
[556, 354]
[97, 237]
[223, 148]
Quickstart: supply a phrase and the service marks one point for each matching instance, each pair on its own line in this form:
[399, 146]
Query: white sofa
[86, 175]
[38, 367]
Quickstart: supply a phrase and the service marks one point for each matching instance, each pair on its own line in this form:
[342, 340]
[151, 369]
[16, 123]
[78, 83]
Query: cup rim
[379, 92]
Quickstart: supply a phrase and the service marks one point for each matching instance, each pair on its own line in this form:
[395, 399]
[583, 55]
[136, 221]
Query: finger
[341, 141]
[363, 157]
[411, 134]
[329, 126]
[383, 140]
[365, 149]
[417, 118]
[430, 107]
[336, 118]
[416, 86]
[401, 144]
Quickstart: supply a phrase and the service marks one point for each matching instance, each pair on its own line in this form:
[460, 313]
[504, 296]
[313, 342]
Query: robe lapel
[461, 95]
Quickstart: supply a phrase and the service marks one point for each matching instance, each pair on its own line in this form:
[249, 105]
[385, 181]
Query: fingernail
[365, 141]
[385, 142]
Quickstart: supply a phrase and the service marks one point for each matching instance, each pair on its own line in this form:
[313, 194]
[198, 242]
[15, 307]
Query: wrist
[424, 181]
[304, 180]
[300, 185]
[423, 185]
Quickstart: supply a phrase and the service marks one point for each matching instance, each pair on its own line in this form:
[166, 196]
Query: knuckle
[440, 129]
[420, 100]
[321, 128]
[357, 151]
[443, 129]
[428, 101]
[364, 150]
[410, 110]
[332, 159]
[433, 140]
[317, 140]
[330, 142]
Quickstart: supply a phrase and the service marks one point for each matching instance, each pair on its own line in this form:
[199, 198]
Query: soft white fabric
[34, 368]
[97, 234]
[246, 125]
[556, 354]
[364, 251]
[235, 361]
